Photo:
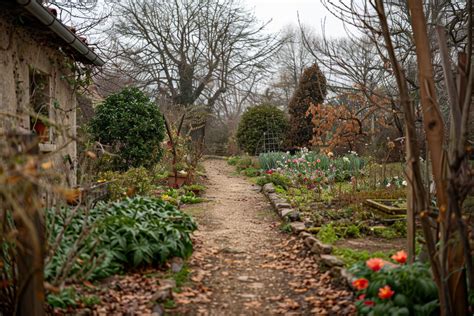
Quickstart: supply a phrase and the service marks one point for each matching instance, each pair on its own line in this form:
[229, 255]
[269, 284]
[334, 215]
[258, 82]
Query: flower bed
[394, 288]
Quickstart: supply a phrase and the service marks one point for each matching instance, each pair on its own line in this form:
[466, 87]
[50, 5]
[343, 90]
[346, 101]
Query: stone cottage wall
[21, 51]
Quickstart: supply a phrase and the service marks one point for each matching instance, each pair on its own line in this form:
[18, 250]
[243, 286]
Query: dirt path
[244, 265]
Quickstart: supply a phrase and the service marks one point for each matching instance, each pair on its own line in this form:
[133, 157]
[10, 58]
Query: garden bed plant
[92, 244]
[330, 195]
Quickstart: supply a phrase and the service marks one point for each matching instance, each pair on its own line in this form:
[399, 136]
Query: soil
[373, 244]
[244, 265]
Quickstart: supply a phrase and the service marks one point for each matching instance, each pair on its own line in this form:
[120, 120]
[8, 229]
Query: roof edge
[45, 17]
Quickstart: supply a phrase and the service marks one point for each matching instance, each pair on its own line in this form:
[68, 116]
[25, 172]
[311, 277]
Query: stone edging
[320, 250]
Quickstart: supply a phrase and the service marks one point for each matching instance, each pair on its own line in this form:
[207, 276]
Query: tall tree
[190, 50]
[311, 90]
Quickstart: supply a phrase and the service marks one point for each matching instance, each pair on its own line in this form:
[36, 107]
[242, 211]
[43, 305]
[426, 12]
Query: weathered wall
[19, 52]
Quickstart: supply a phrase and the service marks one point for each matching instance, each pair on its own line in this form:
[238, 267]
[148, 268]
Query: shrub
[327, 234]
[132, 125]
[251, 172]
[143, 230]
[135, 181]
[311, 90]
[134, 232]
[258, 121]
[275, 178]
[244, 163]
[233, 160]
[385, 288]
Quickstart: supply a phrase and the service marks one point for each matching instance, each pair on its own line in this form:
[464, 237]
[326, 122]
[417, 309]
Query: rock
[177, 264]
[347, 278]
[165, 291]
[84, 312]
[331, 261]
[158, 310]
[309, 241]
[268, 188]
[295, 216]
[286, 212]
[305, 234]
[273, 197]
[336, 272]
[297, 227]
[282, 205]
[319, 248]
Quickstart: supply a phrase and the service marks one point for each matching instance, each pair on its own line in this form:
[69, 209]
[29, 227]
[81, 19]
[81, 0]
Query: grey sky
[284, 12]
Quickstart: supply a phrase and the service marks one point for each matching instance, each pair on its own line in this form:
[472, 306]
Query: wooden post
[29, 225]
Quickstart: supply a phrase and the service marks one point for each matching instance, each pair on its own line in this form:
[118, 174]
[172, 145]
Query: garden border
[321, 251]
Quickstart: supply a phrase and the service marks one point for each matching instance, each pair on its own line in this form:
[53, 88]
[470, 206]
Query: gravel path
[244, 265]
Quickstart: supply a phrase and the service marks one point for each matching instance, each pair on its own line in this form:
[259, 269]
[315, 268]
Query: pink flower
[360, 284]
[400, 257]
[375, 264]
[386, 292]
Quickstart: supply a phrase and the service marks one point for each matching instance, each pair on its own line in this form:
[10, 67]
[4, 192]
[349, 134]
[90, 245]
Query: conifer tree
[311, 90]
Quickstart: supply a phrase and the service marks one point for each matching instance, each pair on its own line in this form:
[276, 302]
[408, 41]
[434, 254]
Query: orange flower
[400, 257]
[360, 284]
[375, 264]
[386, 292]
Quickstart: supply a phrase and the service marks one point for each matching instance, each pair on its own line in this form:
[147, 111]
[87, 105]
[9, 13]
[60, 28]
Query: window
[40, 105]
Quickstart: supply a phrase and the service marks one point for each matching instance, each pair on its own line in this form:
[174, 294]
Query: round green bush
[133, 126]
[255, 122]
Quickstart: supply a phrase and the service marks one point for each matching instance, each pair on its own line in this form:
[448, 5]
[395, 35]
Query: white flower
[345, 159]
[388, 185]
[404, 183]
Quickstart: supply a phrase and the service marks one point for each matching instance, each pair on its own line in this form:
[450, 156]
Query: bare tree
[191, 51]
[404, 34]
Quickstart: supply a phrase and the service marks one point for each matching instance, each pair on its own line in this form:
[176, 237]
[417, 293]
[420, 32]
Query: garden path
[244, 265]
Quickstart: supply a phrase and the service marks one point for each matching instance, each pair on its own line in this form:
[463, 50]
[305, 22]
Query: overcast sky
[285, 12]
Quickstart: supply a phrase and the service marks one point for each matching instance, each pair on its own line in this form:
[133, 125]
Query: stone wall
[20, 54]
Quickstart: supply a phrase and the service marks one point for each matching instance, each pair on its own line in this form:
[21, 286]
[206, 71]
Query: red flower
[400, 257]
[361, 297]
[360, 284]
[386, 292]
[375, 264]
[269, 171]
[369, 303]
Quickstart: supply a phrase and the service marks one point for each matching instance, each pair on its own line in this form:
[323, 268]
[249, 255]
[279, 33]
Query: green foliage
[255, 122]
[182, 276]
[351, 257]
[250, 172]
[233, 160]
[134, 232]
[313, 165]
[195, 188]
[133, 126]
[327, 234]
[275, 178]
[134, 181]
[90, 300]
[415, 292]
[311, 90]
[285, 228]
[142, 231]
[244, 162]
[64, 299]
